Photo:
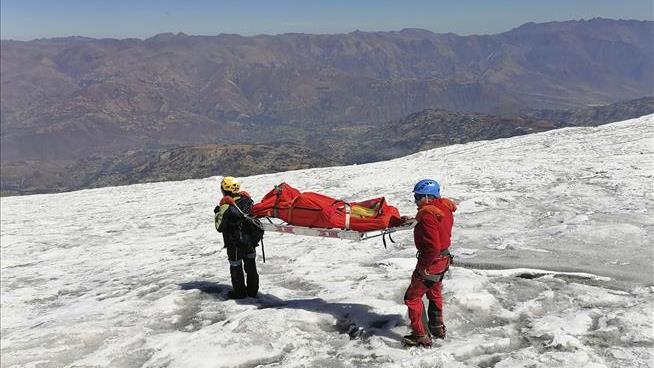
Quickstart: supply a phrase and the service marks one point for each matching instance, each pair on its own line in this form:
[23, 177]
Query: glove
[216, 209]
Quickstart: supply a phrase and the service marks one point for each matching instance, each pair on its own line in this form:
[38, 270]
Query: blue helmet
[428, 187]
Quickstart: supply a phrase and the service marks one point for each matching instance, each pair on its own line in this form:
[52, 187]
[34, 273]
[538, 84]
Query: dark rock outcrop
[319, 145]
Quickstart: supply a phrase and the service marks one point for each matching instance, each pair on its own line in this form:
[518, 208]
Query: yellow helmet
[229, 184]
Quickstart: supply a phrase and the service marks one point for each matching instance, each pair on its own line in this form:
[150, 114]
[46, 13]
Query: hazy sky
[28, 19]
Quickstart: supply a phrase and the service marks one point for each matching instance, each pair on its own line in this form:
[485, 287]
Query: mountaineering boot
[233, 295]
[238, 283]
[252, 292]
[413, 340]
[437, 331]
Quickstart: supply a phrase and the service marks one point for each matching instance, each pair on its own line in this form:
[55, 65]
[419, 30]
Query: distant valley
[317, 147]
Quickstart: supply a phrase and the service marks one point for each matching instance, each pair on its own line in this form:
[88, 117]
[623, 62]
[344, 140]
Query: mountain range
[71, 102]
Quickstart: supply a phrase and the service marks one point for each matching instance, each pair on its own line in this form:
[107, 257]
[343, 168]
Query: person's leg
[250, 266]
[413, 301]
[435, 310]
[236, 273]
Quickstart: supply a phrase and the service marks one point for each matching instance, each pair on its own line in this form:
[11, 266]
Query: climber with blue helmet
[431, 235]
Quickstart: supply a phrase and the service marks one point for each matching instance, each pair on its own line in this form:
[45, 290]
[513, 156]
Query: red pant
[413, 300]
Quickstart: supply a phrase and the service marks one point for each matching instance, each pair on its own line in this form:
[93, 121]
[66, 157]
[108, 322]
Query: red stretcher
[287, 210]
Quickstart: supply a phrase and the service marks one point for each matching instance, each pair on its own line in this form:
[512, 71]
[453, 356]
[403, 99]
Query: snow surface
[136, 275]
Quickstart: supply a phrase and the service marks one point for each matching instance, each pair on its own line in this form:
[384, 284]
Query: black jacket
[228, 219]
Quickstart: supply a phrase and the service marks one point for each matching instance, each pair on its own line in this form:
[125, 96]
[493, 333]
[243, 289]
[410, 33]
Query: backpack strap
[249, 218]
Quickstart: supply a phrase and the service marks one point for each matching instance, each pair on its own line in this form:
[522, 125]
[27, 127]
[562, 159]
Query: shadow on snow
[356, 320]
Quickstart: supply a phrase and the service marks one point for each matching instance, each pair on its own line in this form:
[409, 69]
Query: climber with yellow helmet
[229, 220]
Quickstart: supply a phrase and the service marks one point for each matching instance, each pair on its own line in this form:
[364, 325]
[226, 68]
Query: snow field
[136, 276]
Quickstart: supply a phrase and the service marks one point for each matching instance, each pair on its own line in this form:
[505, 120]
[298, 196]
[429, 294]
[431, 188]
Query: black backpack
[250, 231]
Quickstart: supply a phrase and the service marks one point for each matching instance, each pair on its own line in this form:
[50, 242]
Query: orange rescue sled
[315, 214]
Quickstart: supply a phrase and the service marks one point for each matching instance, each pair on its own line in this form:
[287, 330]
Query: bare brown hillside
[68, 98]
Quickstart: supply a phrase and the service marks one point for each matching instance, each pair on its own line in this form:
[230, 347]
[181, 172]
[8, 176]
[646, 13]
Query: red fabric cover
[320, 211]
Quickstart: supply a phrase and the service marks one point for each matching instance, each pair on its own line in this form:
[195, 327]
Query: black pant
[239, 259]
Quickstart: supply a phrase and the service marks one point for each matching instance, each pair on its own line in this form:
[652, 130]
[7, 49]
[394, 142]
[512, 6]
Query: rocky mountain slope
[435, 128]
[68, 98]
[598, 115]
[148, 166]
[325, 145]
